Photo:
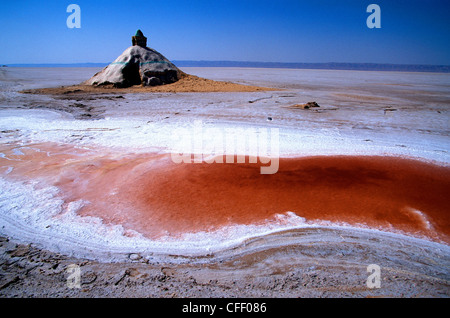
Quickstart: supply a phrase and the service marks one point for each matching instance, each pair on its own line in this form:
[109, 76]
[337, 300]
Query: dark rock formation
[137, 65]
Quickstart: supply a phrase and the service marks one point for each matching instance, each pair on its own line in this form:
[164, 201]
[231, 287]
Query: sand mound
[186, 83]
[142, 69]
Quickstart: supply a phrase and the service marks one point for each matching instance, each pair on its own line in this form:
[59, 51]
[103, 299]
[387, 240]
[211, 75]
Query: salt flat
[361, 113]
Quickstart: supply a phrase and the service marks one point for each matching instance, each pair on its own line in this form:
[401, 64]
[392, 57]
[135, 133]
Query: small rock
[132, 272]
[152, 81]
[134, 256]
[308, 105]
[168, 271]
[88, 278]
[120, 277]
[389, 110]
[20, 251]
[9, 282]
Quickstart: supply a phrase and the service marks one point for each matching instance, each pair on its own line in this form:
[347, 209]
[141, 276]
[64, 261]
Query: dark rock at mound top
[137, 65]
[139, 39]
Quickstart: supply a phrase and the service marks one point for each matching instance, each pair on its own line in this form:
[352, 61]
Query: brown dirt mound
[187, 84]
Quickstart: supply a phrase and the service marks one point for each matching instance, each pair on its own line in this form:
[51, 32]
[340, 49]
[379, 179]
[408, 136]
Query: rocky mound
[137, 65]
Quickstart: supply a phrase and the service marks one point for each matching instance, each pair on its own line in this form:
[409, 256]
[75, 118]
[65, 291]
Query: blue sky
[412, 31]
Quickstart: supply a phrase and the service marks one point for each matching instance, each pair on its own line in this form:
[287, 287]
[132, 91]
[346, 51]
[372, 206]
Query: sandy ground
[321, 268]
[187, 84]
[388, 113]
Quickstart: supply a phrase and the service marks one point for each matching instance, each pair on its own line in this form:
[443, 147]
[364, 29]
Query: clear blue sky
[412, 31]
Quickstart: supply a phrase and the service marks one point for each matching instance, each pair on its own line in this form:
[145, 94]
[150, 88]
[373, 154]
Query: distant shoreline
[323, 66]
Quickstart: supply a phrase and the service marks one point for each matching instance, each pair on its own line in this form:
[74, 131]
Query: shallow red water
[377, 191]
[154, 196]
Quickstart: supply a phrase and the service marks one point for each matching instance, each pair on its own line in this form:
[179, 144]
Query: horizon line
[363, 66]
